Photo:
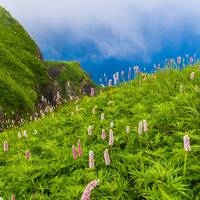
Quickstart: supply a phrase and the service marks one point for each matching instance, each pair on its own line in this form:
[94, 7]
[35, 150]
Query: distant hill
[23, 74]
[69, 78]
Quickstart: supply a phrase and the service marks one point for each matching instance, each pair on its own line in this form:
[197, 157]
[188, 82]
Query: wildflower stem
[185, 164]
[141, 160]
[82, 160]
[129, 141]
[111, 152]
[79, 165]
[146, 141]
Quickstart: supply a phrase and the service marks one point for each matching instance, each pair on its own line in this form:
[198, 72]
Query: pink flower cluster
[111, 137]
[91, 159]
[192, 76]
[106, 157]
[89, 130]
[179, 60]
[186, 143]
[92, 92]
[94, 110]
[103, 134]
[110, 82]
[13, 197]
[127, 129]
[143, 126]
[5, 146]
[87, 192]
[80, 151]
[74, 152]
[112, 124]
[27, 154]
[102, 116]
[140, 128]
[136, 69]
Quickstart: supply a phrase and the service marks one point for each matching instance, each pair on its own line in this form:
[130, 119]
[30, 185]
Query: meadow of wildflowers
[140, 140]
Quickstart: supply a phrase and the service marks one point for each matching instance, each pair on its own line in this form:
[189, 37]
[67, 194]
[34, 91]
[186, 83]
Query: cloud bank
[114, 28]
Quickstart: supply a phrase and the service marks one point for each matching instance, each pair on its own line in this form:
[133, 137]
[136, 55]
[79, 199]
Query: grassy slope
[152, 170]
[63, 72]
[22, 72]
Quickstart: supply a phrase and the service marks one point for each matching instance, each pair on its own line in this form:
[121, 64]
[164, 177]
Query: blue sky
[110, 35]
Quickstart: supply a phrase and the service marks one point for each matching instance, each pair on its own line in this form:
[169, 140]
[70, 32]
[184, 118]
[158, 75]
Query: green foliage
[142, 167]
[21, 67]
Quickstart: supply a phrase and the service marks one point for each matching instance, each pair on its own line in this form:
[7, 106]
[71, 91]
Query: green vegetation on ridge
[142, 167]
[64, 72]
[23, 74]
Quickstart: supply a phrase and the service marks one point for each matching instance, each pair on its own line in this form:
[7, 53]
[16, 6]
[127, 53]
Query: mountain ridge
[23, 70]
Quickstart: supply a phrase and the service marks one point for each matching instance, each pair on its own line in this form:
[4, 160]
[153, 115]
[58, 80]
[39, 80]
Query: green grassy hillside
[151, 166]
[22, 73]
[72, 73]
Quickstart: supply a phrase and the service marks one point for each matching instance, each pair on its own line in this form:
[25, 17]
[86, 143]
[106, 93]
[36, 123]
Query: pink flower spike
[94, 110]
[25, 134]
[80, 151]
[186, 143]
[19, 135]
[179, 60]
[102, 116]
[136, 69]
[13, 197]
[5, 146]
[145, 125]
[117, 75]
[140, 128]
[27, 154]
[112, 124]
[106, 157]
[103, 134]
[111, 137]
[192, 76]
[92, 92]
[128, 129]
[74, 152]
[89, 130]
[91, 159]
[87, 192]
[115, 81]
